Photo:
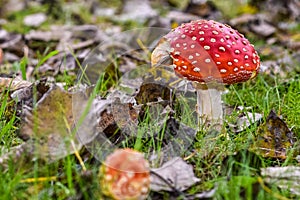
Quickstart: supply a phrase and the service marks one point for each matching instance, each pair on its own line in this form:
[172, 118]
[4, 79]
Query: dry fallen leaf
[244, 119]
[49, 124]
[176, 172]
[273, 138]
[283, 177]
[12, 84]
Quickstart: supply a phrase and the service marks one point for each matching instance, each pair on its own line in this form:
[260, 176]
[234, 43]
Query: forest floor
[76, 83]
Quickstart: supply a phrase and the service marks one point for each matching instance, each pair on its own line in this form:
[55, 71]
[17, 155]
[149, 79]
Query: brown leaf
[13, 84]
[176, 172]
[49, 125]
[273, 138]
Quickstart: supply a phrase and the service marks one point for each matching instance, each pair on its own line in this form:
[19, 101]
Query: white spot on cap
[183, 36]
[174, 66]
[176, 53]
[184, 67]
[191, 57]
[235, 60]
[227, 36]
[235, 69]
[186, 30]
[215, 32]
[206, 47]
[244, 42]
[217, 55]
[223, 70]
[254, 61]
[177, 45]
[244, 49]
[228, 45]
[246, 57]
[229, 63]
[201, 32]
[207, 60]
[130, 174]
[108, 177]
[222, 40]
[241, 67]
[185, 48]
[192, 46]
[176, 59]
[247, 65]
[194, 38]
[196, 69]
[233, 43]
[205, 26]
[212, 39]
[218, 63]
[197, 54]
[221, 48]
[201, 39]
[194, 62]
[237, 51]
[184, 44]
[144, 190]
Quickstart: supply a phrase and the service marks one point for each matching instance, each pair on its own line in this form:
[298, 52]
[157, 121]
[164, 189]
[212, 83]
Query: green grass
[222, 161]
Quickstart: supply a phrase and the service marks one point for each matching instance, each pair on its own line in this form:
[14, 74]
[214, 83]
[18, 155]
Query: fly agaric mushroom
[125, 174]
[210, 54]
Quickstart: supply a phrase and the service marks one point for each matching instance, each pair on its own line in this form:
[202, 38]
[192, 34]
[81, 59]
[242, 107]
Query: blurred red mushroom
[210, 54]
[1, 55]
[125, 175]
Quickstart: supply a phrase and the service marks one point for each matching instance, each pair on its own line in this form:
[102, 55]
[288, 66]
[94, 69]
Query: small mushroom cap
[207, 51]
[125, 175]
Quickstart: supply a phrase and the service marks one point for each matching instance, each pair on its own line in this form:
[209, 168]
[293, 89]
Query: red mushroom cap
[208, 51]
[125, 175]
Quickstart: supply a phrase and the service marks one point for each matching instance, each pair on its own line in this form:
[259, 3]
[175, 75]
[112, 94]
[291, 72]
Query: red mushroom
[125, 174]
[1, 55]
[210, 54]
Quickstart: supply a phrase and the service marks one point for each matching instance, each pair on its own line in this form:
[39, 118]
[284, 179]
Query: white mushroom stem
[209, 105]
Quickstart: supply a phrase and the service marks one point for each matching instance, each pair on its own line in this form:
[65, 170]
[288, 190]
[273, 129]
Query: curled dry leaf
[244, 119]
[49, 124]
[176, 172]
[273, 138]
[13, 84]
[102, 124]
